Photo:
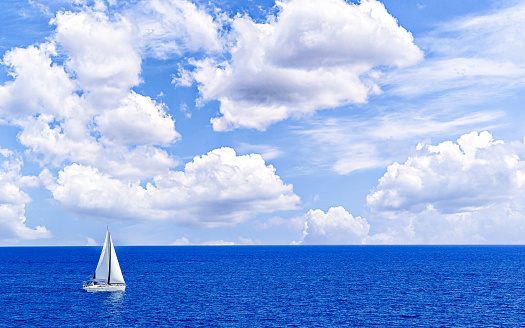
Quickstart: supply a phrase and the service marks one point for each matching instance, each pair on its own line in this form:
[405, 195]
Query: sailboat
[107, 276]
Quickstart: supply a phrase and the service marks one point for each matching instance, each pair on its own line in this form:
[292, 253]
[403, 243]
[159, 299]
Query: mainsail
[108, 268]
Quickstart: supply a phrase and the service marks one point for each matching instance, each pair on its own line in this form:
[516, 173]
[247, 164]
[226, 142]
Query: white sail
[108, 268]
[102, 270]
[115, 273]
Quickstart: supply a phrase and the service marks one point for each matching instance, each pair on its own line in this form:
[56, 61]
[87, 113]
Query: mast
[109, 245]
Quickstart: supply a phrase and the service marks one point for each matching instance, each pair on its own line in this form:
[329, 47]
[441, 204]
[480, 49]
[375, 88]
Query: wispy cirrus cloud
[470, 75]
[374, 141]
[167, 28]
[268, 152]
[470, 59]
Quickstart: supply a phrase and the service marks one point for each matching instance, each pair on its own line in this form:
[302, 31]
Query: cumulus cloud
[38, 84]
[311, 56]
[181, 242]
[13, 227]
[138, 121]
[83, 110]
[466, 192]
[336, 226]
[216, 189]
[469, 191]
[13, 201]
[52, 143]
[91, 242]
[102, 53]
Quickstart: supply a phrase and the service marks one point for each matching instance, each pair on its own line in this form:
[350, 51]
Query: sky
[294, 122]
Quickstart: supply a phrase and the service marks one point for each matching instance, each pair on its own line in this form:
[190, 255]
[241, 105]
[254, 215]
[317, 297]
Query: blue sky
[255, 122]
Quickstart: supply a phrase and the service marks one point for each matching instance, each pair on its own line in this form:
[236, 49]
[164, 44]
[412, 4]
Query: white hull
[104, 288]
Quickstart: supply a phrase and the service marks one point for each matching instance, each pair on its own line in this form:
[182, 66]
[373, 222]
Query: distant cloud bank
[466, 192]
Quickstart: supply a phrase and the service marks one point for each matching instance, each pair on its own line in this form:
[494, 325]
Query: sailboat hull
[104, 288]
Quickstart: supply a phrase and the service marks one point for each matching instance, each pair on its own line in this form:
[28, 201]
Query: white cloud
[181, 242]
[58, 125]
[242, 241]
[138, 121]
[267, 152]
[173, 27]
[216, 189]
[374, 140]
[311, 56]
[471, 79]
[496, 35]
[50, 143]
[91, 242]
[458, 75]
[465, 192]
[102, 54]
[218, 243]
[336, 226]
[38, 84]
[471, 59]
[248, 241]
[13, 227]
[13, 202]
[183, 78]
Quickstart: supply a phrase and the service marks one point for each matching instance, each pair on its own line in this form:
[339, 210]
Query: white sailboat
[108, 276]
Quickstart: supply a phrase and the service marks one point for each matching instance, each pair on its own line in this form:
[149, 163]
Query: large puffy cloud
[470, 191]
[216, 189]
[451, 176]
[61, 108]
[13, 201]
[466, 192]
[313, 55]
[102, 53]
[51, 143]
[138, 121]
[72, 99]
[38, 84]
[336, 226]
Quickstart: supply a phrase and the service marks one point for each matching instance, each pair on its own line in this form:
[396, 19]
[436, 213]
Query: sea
[268, 286]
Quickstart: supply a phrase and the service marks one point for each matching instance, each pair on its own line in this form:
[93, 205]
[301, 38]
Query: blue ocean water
[268, 286]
